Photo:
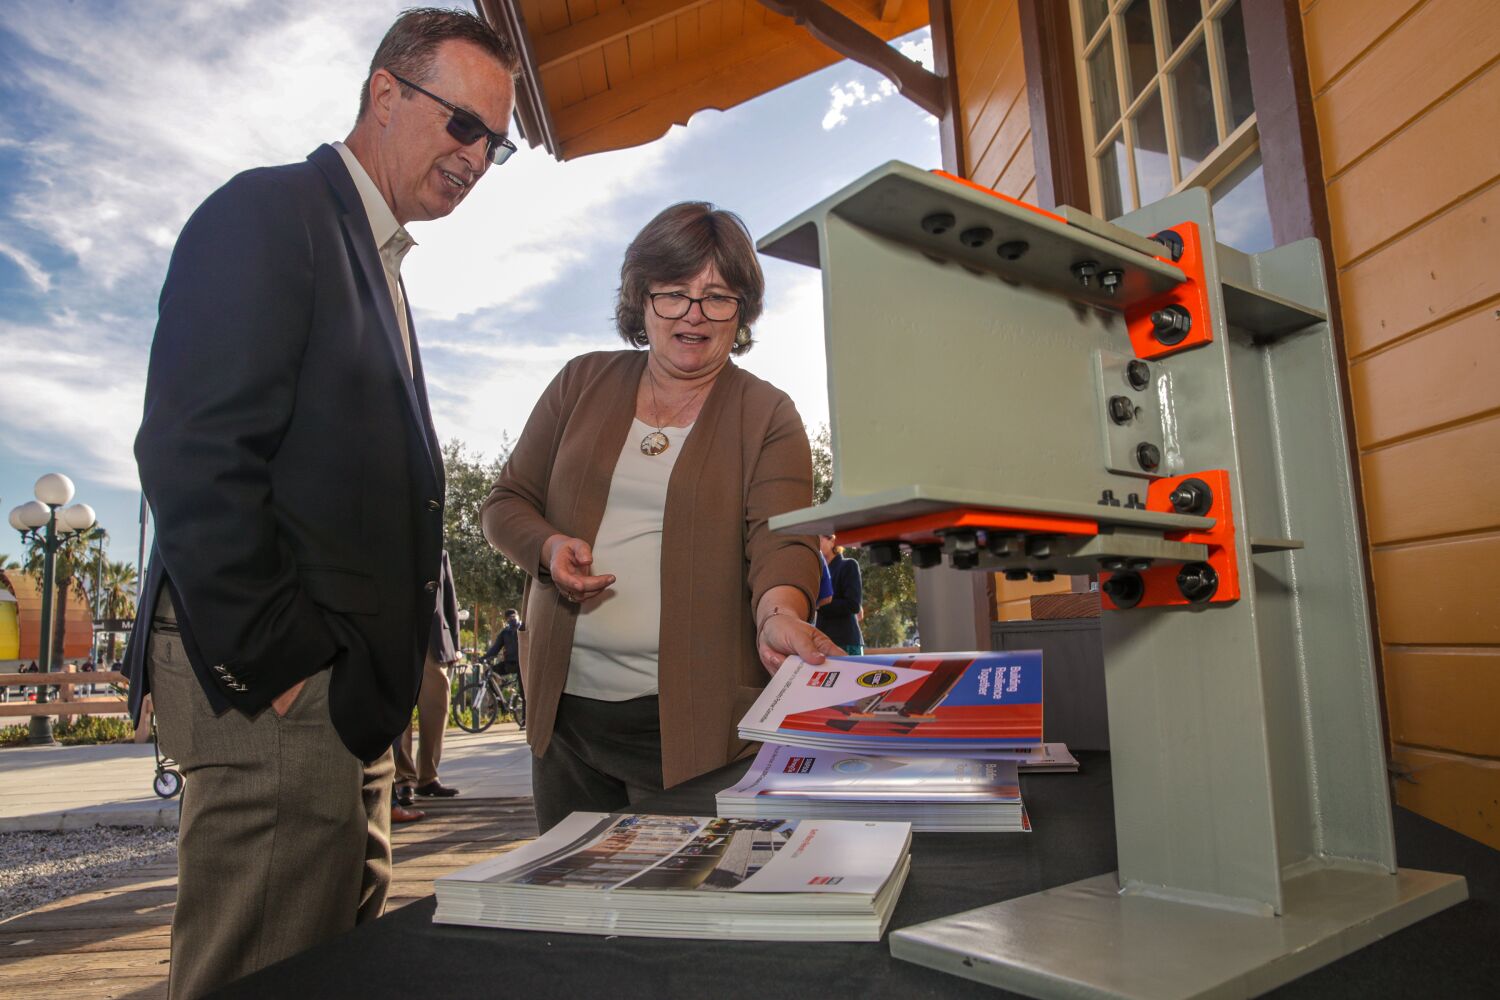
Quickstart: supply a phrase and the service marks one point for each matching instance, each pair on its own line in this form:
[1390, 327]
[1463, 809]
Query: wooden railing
[65, 702]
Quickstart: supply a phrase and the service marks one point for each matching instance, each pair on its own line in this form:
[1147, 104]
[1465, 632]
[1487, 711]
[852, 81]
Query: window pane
[1153, 174]
[1093, 16]
[1140, 47]
[1236, 66]
[1102, 94]
[1196, 133]
[1241, 218]
[1113, 179]
[1182, 17]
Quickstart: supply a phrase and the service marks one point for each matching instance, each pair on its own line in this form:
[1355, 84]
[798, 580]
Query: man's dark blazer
[288, 458]
[443, 646]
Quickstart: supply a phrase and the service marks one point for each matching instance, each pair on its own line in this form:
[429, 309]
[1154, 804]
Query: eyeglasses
[675, 305]
[466, 127]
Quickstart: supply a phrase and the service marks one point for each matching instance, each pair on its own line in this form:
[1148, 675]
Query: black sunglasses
[466, 127]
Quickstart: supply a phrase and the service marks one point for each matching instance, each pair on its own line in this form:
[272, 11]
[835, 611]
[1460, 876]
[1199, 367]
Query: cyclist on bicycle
[505, 651]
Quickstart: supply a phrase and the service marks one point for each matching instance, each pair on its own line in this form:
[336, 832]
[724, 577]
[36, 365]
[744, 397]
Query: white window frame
[1235, 145]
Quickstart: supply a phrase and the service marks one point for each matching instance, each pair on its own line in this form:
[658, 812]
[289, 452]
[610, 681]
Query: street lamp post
[99, 536]
[45, 519]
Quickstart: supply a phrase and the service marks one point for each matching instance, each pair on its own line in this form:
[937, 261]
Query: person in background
[296, 486]
[421, 776]
[505, 650]
[839, 618]
[637, 498]
[505, 654]
[403, 813]
[825, 581]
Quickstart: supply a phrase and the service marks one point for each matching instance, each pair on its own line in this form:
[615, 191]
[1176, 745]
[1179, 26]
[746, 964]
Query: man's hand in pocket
[282, 703]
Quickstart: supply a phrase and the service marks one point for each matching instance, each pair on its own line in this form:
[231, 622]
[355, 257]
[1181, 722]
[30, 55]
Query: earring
[742, 336]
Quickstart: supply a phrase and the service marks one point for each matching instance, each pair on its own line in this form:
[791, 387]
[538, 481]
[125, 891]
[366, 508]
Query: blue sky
[120, 118]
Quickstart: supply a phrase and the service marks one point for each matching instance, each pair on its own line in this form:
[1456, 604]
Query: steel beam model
[1024, 392]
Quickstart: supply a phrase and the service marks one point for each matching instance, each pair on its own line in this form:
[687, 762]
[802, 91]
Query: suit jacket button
[432, 586]
[434, 505]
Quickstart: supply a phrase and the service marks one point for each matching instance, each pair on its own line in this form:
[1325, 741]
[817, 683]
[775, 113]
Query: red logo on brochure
[823, 679]
[825, 880]
[798, 765]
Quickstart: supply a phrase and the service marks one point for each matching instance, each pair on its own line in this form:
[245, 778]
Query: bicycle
[477, 703]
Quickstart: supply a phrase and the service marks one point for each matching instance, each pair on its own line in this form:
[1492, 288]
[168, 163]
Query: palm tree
[117, 597]
[6, 562]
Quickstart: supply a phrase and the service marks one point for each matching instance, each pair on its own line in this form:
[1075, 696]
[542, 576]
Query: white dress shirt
[391, 239]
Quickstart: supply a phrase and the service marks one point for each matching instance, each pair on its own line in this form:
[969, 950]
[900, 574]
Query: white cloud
[65, 400]
[855, 93]
[34, 272]
[523, 224]
[789, 350]
[918, 50]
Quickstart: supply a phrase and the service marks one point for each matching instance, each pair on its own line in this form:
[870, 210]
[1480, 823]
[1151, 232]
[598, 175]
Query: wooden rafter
[596, 32]
[848, 38]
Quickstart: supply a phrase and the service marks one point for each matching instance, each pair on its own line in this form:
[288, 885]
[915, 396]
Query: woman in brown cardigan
[637, 498]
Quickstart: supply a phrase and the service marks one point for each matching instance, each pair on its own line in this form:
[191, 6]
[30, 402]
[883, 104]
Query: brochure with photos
[932, 792]
[767, 879]
[953, 702]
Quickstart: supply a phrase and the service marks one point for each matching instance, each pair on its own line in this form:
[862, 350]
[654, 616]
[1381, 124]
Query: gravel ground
[36, 868]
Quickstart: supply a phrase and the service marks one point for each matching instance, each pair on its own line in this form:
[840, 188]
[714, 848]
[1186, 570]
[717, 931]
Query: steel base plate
[1087, 940]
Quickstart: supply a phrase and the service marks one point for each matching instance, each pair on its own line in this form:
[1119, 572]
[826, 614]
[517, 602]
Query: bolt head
[1148, 456]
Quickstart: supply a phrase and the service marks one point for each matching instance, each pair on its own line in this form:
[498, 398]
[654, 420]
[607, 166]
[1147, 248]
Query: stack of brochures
[934, 739]
[932, 792]
[947, 702]
[765, 879]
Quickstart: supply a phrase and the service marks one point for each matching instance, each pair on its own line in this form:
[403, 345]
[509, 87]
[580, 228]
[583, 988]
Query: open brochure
[688, 876]
[932, 792]
[953, 702]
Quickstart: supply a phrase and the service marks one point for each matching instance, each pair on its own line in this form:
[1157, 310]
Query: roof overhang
[610, 74]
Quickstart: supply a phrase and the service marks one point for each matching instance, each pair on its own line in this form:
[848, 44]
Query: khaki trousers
[284, 840]
[432, 718]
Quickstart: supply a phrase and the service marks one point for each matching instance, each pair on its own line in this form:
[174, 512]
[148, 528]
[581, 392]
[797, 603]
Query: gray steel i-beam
[976, 347]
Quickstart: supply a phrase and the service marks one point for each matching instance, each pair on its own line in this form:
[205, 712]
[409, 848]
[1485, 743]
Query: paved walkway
[64, 788]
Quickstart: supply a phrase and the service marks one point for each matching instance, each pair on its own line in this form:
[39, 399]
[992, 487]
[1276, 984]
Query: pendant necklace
[657, 442]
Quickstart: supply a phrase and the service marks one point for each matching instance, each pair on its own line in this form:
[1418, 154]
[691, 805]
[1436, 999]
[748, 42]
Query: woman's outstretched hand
[570, 562]
[783, 635]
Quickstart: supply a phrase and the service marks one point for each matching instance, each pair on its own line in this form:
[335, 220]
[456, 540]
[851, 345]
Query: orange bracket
[923, 530]
[1161, 581]
[1191, 295]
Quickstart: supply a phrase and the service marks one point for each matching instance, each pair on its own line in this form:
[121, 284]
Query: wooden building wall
[1406, 94]
[994, 117]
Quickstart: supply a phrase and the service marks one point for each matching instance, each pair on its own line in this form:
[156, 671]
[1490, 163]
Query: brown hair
[675, 246]
[408, 48]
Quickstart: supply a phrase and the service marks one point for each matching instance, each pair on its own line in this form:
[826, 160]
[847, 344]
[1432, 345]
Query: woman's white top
[618, 634]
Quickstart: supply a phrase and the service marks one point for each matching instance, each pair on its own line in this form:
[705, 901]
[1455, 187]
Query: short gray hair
[408, 48]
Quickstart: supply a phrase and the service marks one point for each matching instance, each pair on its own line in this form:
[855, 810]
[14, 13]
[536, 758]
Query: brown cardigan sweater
[746, 459]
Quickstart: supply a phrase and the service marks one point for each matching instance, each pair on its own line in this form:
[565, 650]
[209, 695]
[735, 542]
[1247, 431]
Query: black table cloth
[404, 954]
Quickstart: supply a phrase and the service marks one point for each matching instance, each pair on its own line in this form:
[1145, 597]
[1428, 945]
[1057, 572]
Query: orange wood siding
[1405, 93]
[994, 116]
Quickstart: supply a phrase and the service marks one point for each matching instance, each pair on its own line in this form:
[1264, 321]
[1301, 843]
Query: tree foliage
[486, 581]
[890, 592]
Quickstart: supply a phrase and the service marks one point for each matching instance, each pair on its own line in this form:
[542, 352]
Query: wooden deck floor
[112, 942]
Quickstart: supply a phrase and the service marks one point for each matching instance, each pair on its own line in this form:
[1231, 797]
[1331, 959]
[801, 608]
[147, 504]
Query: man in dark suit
[289, 459]
[420, 775]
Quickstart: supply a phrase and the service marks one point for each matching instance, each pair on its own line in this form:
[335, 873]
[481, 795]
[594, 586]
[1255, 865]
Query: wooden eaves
[599, 75]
